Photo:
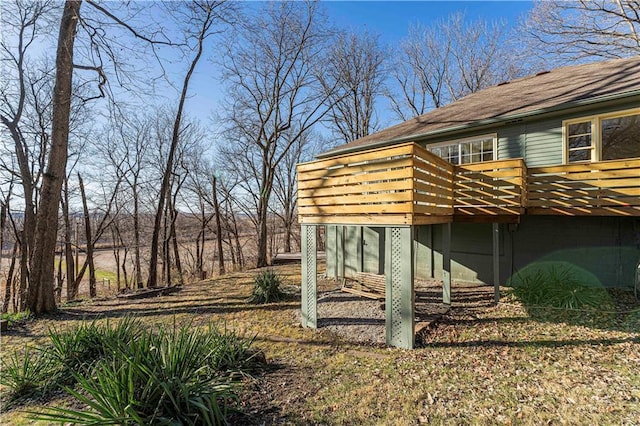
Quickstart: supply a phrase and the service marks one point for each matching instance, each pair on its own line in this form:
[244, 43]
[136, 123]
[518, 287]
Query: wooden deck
[408, 185]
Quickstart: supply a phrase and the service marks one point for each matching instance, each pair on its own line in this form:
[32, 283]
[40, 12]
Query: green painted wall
[353, 250]
[373, 250]
[538, 141]
[333, 251]
[606, 247]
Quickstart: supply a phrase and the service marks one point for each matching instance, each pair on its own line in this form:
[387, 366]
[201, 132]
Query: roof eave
[483, 123]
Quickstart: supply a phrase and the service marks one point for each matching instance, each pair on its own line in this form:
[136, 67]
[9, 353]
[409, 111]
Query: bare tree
[559, 30]
[448, 60]
[284, 187]
[272, 66]
[25, 23]
[128, 142]
[354, 76]
[41, 295]
[202, 16]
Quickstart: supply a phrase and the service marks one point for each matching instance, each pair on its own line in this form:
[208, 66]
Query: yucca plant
[266, 288]
[169, 377]
[25, 374]
[74, 349]
[558, 285]
[231, 351]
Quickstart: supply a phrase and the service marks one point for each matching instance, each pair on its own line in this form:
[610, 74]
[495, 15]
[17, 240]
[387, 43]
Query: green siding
[352, 248]
[510, 141]
[424, 255]
[331, 251]
[543, 143]
[373, 250]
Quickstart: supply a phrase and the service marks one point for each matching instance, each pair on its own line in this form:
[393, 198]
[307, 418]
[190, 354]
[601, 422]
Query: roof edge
[480, 123]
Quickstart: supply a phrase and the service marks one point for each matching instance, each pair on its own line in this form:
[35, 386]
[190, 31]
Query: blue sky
[389, 19]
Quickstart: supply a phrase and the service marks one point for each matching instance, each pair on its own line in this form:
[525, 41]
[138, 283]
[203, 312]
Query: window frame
[493, 136]
[596, 133]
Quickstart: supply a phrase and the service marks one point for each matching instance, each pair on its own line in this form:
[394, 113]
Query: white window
[603, 137]
[464, 151]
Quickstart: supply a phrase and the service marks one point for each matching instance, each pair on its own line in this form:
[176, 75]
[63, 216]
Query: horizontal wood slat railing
[493, 188]
[408, 185]
[605, 188]
[394, 185]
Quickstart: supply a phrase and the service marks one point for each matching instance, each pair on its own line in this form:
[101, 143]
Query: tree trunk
[89, 240]
[41, 298]
[116, 255]
[263, 211]
[236, 234]
[166, 250]
[3, 221]
[124, 267]
[216, 208]
[8, 285]
[136, 234]
[176, 252]
[72, 288]
[60, 280]
[175, 138]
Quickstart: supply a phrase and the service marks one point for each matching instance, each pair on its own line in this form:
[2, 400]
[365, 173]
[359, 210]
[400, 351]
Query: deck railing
[407, 184]
[493, 188]
[605, 188]
[390, 185]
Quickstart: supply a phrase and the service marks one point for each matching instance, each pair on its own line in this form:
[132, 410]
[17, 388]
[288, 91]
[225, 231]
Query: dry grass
[495, 366]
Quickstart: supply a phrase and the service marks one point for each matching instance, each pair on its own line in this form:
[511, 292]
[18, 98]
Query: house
[542, 168]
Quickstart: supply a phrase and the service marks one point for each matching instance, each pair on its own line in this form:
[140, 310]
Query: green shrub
[13, 317]
[558, 285]
[163, 378]
[232, 352]
[78, 348]
[25, 374]
[136, 376]
[267, 288]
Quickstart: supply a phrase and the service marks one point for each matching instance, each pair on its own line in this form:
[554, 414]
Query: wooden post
[399, 294]
[446, 263]
[496, 262]
[309, 277]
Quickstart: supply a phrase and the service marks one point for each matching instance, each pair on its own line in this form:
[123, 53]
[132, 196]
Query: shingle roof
[547, 91]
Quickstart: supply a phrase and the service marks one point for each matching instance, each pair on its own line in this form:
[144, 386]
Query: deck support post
[309, 292]
[399, 294]
[446, 263]
[496, 262]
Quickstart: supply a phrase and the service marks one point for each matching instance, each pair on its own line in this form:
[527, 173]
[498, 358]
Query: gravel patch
[362, 320]
[357, 318]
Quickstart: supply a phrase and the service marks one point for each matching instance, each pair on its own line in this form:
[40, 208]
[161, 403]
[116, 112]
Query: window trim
[493, 136]
[596, 133]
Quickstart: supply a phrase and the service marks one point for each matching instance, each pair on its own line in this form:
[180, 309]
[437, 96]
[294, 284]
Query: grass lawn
[497, 366]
